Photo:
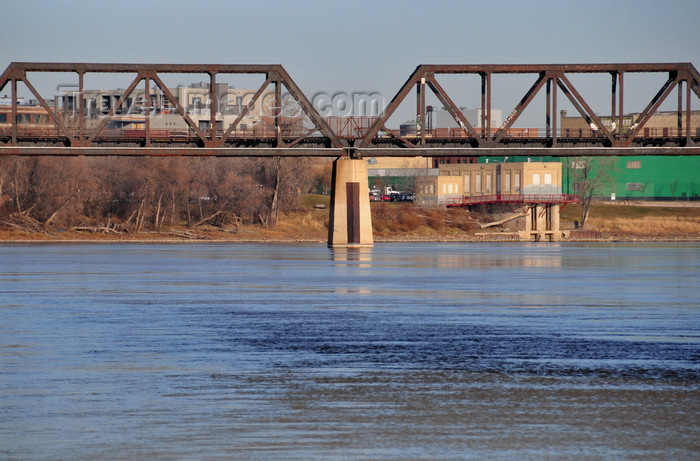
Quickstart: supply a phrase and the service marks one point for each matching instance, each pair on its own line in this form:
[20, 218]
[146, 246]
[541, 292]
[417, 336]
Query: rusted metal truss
[549, 78]
[74, 138]
[78, 136]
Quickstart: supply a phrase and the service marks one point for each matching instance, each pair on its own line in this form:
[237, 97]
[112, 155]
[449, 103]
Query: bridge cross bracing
[312, 135]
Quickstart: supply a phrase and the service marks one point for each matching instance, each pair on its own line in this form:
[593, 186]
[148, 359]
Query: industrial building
[195, 99]
[527, 195]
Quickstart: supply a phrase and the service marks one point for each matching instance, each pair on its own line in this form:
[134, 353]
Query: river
[400, 352]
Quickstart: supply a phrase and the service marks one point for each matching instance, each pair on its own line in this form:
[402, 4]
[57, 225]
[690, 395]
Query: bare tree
[283, 180]
[673, 188]
[643, 188]
[590, 176]
[321, 177]
[140, 193]
[44, 189]
[411, 175]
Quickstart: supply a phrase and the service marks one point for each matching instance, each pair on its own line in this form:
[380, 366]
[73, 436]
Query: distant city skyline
[333, 47]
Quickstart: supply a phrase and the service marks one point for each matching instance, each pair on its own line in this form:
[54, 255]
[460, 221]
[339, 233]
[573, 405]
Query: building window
[477, 186]
[548, 179]
[467, 183]
[506, 186]
[536, 179]
[3, 118]
[516, 182]
[634, 164]
[489, 182]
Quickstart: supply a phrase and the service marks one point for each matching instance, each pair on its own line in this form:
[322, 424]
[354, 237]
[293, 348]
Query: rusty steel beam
[393, 105]
[525, 151]
[471, 152]
[56, 118]
[582, 106]
[679, 73]
[180, 110]
[246, 109]
[18, 70]
[538, 68]
[534, 89]
[105, 120]
[118, 68]
[648, 111]
[452, 107]
[14, 111]
[548, 73]
[308, 108]
[32, 151]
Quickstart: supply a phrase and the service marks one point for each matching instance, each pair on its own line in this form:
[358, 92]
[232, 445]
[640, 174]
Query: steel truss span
[311, 135]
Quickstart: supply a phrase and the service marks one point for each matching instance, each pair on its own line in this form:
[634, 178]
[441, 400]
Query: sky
[352, 46]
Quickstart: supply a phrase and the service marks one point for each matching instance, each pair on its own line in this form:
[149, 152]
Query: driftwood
[503, 221]
[94, 229]
[189, 235]
[23, 221]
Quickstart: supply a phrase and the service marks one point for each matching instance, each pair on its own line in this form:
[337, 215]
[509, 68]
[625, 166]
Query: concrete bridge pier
[350, 224]
[542, 223]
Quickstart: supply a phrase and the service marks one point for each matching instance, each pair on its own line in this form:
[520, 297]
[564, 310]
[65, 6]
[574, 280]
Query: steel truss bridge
[310, 135]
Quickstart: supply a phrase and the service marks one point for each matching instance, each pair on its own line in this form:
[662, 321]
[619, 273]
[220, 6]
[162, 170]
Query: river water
[399, 352]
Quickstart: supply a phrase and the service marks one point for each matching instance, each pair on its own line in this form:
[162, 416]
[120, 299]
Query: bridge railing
[510, 198]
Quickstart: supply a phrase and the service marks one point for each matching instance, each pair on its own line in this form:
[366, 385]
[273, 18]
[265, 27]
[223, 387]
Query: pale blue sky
[330, 46]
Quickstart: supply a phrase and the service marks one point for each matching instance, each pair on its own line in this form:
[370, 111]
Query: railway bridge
[290, 125]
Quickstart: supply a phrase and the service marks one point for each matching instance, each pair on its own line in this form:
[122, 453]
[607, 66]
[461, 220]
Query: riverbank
[402, 223]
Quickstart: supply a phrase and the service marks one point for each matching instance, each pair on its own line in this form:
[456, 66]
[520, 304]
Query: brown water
[421, 351]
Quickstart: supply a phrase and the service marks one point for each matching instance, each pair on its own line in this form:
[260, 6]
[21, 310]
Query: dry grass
[639, 220]
[650, 225]
[403, 221]
[402, 218]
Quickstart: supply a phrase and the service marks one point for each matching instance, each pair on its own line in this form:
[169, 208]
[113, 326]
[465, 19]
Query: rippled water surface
[402, 352]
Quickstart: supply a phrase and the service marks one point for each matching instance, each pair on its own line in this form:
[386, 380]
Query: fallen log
[189, 235]
[94, 229]
[503, 221]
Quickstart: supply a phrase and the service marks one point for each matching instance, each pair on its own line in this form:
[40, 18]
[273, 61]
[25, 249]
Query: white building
[443, 119]
[195, 100]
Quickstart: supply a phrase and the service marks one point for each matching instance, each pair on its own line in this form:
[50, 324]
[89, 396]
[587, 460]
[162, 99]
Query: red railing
[511, 198]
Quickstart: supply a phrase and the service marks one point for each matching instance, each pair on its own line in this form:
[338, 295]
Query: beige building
[397, 163]
[195, 100]
[456, 181]
[661, 124]
[528, 192]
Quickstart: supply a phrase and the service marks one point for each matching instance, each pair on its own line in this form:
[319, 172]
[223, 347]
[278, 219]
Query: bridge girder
[275, 74]
[551, 78]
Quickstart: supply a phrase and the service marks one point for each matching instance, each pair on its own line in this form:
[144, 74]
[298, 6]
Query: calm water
[402, 352]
